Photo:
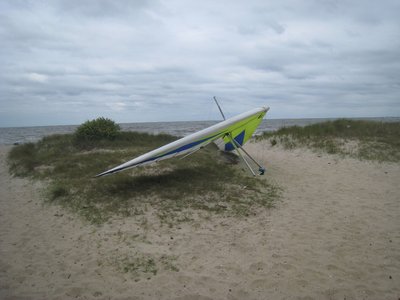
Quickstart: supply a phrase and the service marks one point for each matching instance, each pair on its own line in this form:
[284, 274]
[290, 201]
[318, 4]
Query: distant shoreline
[383, 119]
[11, 135]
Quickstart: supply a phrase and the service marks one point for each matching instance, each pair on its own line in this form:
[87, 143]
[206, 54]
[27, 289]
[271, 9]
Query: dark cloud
[67, 61]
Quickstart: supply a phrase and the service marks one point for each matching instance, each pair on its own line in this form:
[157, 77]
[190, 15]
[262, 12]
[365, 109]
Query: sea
[19, 135]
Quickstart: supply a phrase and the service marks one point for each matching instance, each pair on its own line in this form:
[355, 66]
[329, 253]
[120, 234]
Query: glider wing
[241, 127]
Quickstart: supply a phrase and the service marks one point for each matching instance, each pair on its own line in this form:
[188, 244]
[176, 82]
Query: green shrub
[98, 129]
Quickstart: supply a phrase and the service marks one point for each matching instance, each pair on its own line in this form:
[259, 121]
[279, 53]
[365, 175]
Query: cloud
[36, 77]
[156, 60]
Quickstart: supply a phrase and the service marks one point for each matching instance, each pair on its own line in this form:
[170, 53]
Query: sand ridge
[334, 235]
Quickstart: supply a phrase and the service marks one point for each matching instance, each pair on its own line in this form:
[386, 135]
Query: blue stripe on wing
[180, 149]
[239, 138]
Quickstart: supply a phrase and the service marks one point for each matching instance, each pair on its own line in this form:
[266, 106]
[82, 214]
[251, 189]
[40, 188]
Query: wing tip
[100, 175]
[108, 172]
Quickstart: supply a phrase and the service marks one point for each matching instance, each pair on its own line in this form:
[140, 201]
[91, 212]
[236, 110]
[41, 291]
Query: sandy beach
[334, 234]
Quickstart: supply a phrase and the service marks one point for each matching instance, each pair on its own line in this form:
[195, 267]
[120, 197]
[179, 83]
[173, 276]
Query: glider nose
[265, 108]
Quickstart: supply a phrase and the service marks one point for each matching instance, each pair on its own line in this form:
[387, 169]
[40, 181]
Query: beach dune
[335, 234]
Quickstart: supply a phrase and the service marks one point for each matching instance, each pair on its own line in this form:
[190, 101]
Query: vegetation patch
[176, 189]
[140, 265]
[360, 139]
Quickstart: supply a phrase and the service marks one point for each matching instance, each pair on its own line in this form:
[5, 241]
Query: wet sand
[335, 234]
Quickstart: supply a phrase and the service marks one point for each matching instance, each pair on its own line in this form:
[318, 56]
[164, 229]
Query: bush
[98, 129]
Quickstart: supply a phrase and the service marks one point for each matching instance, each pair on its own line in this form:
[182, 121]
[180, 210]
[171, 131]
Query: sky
[65, 62]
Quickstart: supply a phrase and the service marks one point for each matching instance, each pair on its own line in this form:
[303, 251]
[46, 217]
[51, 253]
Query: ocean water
[12, 135]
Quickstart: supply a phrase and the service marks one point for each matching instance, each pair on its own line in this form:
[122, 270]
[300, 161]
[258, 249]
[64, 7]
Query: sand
[335, 234]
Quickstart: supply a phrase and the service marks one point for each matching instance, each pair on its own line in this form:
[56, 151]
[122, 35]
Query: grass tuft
[141, 265]
[57, 190]
[22, 160]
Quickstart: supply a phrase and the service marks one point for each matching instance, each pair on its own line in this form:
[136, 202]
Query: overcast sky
[64, 62]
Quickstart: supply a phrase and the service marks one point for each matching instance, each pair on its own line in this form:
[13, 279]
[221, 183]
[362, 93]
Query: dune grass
[176, 189]
[368, 140]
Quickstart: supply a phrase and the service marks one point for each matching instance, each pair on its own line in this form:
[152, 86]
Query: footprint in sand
[263, 284]
[194, 297]
[258, 267]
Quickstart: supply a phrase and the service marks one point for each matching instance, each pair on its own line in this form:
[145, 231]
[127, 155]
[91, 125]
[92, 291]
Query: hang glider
[229, 135]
